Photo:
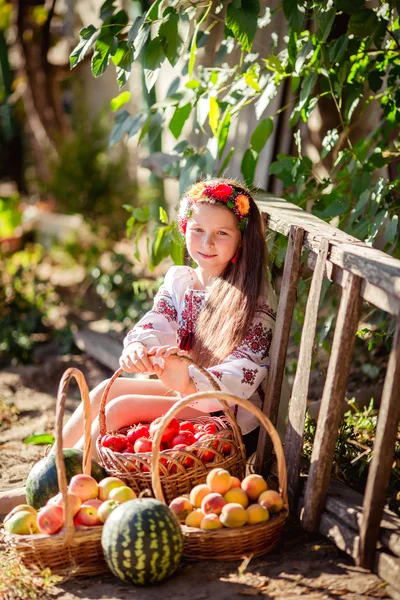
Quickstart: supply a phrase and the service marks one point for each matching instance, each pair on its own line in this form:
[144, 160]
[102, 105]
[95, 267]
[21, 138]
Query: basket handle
[214, 384]
[87, 450]
[155, 475]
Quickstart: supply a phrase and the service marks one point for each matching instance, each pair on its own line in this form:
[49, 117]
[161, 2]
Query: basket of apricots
[189, 448]
[65, 533]
[226, 517]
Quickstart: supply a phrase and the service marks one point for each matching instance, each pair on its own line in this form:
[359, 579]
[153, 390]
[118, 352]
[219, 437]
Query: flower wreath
[221, 193]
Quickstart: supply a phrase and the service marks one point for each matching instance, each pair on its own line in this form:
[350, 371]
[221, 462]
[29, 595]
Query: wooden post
[298, 401]
[331, 404]
[291, 273]
[382, 459]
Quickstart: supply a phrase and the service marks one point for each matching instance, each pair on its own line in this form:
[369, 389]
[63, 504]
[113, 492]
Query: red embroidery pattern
[266, 310]
[147, 326]
[217, 374]
[249, 376]
[164, 306]
[257, 341]
[192, 305]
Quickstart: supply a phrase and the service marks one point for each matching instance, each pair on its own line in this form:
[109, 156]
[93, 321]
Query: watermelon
[42, 483]
[142, 541]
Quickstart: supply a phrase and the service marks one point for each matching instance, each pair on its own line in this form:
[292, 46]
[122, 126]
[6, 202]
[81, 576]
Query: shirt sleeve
[158, 327]
[244, 369]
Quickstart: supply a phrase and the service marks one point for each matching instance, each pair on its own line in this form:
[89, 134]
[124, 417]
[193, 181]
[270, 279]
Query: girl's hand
[135, 359]
[175, 373]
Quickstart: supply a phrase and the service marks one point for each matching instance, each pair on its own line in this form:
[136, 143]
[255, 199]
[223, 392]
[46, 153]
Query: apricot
[238, 496]
[219, 481]
[235, 482]
[254, 485]
[212, 503]
[194, 518]
[181, 507]
[233, 515]
[256, 514]
[210, 521]
[197, 494]
[271, 500]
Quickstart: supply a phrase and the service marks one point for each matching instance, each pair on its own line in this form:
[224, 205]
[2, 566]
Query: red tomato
[115, 442]
[198, 434]
[212, 442]
[129, 449]
[169, 432]
[186, 426]
[187, 461]
[143, 445]
[184, 437]
[210, 428]
[137, 432]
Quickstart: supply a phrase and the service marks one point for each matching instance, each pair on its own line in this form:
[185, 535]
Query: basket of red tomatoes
[189, 449]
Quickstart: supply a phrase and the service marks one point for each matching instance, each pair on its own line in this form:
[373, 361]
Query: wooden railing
[363, 273]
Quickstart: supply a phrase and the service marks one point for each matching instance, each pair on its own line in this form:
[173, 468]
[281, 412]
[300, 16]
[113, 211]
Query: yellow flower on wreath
[242, 204]
[197, 191]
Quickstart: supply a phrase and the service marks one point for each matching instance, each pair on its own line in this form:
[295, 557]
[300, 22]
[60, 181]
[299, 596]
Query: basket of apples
[189, 448]
[227, 517]
[65, 533]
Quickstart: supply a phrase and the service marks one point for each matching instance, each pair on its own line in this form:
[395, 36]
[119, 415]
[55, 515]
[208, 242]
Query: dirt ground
[304, 565]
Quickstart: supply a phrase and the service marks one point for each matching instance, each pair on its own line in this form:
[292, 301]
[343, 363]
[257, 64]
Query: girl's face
[212, 237]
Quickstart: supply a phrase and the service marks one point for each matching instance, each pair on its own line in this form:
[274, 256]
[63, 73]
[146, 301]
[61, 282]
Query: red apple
[87, 516]
[184, 437]
[143, 445]
[169, 432]
[187, 426]
[74, 502]
[50, 519]
[84, 486]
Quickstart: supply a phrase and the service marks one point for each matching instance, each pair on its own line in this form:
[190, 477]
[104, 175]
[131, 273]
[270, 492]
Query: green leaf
[363, 23]
[261, 134]
[163, 215]
[105, 47]
[39, 439]
[241, 19]
[213, 117]
[338, 49]
[248, 166]
[169, 36]
[135, 123]
[141, 39]
[268, 94]
[153, 59]
[223, 131]
[179, 119]
[123, 59]
[136, 27]
[329, 141]
[226, 162]
[88, 36]
[295, 14]
[119, 101]
[305, 53]
[113, 25]
[153, 12]
[325, 20]
[391, 229]
[121, 126]
[107, 9]
[349, 6]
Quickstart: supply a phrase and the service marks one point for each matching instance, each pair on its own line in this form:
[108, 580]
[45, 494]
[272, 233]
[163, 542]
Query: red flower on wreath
[221, 191]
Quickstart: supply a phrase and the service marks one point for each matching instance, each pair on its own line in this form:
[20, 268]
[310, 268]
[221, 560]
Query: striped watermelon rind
[142, 541]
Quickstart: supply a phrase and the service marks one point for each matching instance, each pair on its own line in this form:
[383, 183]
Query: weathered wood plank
[331, 404]
[298, 401]
[382, 458]
[347, 252]
[369, 292]
[291, 273]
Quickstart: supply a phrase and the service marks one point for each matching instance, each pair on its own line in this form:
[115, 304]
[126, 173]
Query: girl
[218, 313]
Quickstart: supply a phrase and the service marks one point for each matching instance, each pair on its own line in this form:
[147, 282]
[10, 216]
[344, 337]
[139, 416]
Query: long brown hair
[224, 320]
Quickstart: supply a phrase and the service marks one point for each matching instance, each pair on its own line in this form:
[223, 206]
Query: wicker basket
[176, 478]
[228, 544]
[71, 552]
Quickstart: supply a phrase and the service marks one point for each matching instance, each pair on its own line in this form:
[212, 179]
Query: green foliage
[10, 215]
[353, 450]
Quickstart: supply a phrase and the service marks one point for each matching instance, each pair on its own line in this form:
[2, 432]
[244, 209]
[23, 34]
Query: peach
[74, 502]
[254, 485]
[210, 521]
[93, 502]
[233, 515]
[84, 486]
[257, 514]
[235, 482]
[105, 509]
[87, 516]
[194, 518]
[219, 481]
[181, 507]
[238, 496]
[50, 519]
[22, 522]
[271, 500]
[107, 484]
[197, 494]
[212, 503]
[122, 493]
